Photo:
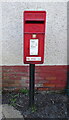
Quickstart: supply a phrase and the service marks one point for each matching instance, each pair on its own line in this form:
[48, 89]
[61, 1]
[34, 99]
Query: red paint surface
[46, 77]
[30, 27]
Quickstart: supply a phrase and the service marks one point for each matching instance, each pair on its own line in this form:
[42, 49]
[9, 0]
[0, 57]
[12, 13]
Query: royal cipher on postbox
[34, 36]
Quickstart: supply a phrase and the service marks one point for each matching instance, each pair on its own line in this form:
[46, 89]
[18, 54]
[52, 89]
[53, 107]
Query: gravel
[47, 105]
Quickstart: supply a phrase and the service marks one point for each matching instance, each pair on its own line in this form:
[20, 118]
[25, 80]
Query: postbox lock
[34, 35]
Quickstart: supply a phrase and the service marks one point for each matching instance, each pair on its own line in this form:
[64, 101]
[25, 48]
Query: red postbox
[34, 35]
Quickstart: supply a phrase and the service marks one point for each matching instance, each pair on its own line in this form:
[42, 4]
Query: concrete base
[10, 112]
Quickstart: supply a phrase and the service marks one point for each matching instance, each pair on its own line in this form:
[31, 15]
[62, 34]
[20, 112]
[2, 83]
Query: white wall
[68, 33]
[56, 32]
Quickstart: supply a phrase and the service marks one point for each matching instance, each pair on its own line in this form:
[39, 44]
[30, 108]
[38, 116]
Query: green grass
[33, 109]
[13, 101]
[24, 91]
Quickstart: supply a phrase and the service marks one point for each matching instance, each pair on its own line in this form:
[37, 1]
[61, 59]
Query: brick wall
[46, 77]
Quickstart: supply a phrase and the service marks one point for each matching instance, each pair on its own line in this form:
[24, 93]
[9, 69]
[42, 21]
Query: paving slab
[9, 111]
[1, 115]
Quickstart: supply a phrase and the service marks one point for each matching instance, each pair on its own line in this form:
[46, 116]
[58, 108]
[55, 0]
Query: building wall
[46, 77]
[56, 32]
[53, 73]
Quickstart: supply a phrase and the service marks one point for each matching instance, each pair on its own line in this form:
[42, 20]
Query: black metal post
[31, 85]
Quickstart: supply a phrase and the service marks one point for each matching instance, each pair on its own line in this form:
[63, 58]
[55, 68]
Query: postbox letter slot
[34, 22]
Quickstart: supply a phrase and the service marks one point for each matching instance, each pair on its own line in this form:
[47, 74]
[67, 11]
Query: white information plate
[33, 46]
[33, 58]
